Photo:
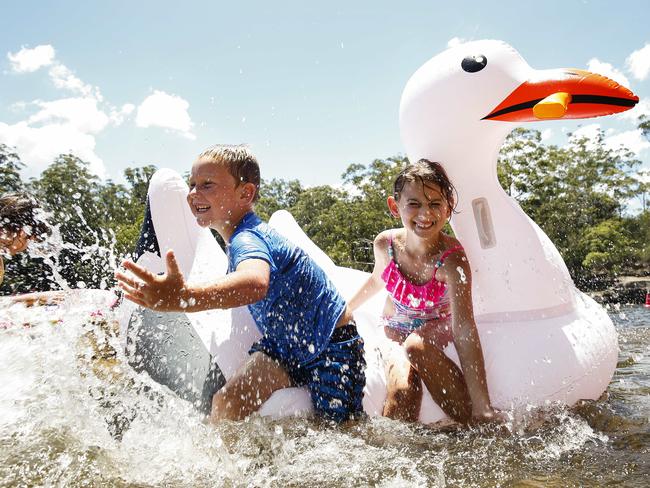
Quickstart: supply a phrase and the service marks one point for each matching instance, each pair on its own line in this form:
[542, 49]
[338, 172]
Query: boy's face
[215, 196]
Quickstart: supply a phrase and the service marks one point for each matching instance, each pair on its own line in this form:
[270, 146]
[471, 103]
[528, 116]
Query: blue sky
[311, 86]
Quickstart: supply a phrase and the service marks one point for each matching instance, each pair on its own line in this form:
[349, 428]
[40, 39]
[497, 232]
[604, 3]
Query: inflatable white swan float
[543, 340]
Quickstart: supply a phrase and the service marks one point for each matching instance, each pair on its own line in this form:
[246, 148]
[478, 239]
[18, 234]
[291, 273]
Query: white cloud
[70, 125]
[597, 66]
[28, 60]
[547, 134]
[118, 116]
[644, 176]
[634, 140]
[38, 146]
[65, 125]
[641, 108]
[589, 132]
[638, 63]
[161, 109]
[455, 41]
[64, 78]
[81, 113]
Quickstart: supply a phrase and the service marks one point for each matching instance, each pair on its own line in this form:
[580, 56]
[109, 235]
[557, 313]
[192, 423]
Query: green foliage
[94, 223]
[277, 195]
[10, 166]
[607, 247]
[577, 194]
[341, 221]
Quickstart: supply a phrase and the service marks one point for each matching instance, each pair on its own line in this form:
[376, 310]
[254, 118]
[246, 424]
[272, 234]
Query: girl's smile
[422, 208]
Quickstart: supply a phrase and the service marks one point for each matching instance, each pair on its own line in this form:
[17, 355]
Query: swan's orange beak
[564, 94]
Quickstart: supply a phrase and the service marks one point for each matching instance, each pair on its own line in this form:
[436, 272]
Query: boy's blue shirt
[302, 306]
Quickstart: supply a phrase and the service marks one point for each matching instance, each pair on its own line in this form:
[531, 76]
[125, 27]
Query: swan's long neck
[517, 271]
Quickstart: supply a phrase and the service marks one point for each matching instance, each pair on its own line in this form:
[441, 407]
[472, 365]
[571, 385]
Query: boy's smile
[212, 193]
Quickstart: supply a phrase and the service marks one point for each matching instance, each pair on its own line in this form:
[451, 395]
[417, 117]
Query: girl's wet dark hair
[426, 171]
[19, 211]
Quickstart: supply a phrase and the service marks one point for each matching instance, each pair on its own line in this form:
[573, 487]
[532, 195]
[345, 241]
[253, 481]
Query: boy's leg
[440, 375]
[249, 388]
[336, 379]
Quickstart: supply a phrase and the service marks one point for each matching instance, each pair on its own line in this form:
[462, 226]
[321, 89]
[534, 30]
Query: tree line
[578, 194]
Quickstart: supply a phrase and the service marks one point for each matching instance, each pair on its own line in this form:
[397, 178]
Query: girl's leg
[404, 391]
[249, 388]
[440, 375]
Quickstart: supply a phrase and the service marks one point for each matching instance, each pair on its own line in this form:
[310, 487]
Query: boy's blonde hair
[239, 160]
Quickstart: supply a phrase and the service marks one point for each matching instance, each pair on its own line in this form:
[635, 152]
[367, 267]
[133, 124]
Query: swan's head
[472, 94]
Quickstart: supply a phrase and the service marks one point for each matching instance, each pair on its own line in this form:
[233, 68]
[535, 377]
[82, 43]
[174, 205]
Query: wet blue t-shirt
[300, 310]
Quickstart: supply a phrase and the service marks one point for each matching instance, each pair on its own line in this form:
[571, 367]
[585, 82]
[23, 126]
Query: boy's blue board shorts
[335, 379]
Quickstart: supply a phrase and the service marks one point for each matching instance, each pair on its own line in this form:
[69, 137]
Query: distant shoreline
[626, 289]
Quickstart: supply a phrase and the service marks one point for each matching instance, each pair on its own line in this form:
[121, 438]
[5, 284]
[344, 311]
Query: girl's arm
[374, 283]
[457, 274]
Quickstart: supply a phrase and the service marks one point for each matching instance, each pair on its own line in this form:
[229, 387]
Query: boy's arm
[248, 284]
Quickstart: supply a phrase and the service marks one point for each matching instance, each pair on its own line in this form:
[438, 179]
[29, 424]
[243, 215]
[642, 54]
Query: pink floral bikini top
[415, 305]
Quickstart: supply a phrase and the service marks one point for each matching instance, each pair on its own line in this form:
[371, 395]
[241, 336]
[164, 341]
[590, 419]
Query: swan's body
[542, 339]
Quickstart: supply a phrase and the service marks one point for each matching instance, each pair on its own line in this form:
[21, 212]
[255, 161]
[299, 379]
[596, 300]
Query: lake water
[61, 425]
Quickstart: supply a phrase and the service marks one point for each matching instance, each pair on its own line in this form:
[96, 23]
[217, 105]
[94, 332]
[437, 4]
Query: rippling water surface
[65, 422]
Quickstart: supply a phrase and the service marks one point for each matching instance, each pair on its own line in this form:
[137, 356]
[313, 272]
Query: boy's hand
[165, 293]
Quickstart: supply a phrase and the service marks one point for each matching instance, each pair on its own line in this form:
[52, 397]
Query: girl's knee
[405, 388]
[418, 351]
[413, 345]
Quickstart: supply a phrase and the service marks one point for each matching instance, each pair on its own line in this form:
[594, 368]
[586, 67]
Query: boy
[308, 334]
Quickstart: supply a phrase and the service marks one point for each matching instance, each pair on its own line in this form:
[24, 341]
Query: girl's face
[422, 208]
[14, 242]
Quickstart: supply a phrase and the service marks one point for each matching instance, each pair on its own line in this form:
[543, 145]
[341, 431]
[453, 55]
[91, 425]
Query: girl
[428, 279]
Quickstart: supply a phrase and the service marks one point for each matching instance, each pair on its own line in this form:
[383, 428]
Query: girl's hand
[164, 293]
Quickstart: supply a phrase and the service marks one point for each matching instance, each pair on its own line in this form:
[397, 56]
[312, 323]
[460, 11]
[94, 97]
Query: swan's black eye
[472, 64]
